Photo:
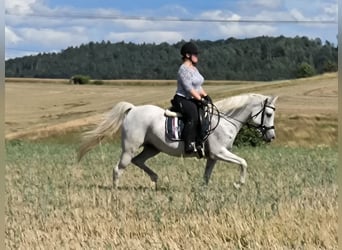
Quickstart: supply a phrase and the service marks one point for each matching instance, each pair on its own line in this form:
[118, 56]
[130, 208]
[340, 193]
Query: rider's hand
[207, 97]
[204, 102]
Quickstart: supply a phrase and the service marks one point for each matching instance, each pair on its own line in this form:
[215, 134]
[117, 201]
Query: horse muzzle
[268, 133]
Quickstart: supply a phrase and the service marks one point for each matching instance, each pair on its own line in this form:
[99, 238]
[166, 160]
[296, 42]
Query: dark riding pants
[189, 109]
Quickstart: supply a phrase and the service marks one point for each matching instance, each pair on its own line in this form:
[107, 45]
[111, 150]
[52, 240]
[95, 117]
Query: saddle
[174, 125]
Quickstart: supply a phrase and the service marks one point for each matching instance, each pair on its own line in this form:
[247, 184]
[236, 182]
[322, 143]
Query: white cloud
[147, 37]
[331, 10]
[248, 30]
[233, 29]
[219, 14]
[173, 10]
[20, 6]
[297, 15]
[139, 24]
[50, 38]
[47, 34]
[11, 37]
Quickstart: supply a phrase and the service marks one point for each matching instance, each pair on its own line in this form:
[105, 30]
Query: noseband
[262, 128]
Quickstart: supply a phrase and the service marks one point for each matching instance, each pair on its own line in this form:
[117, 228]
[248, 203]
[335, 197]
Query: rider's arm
[202, 92]
[195, 94]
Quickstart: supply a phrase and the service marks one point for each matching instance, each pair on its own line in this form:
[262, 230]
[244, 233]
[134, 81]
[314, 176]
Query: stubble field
[306, 108]
[289, 200]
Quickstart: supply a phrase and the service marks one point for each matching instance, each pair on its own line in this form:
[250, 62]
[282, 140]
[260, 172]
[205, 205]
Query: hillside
[253, 59]
[306, 108]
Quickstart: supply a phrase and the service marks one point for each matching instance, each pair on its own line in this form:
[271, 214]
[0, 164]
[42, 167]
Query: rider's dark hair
[189, 48]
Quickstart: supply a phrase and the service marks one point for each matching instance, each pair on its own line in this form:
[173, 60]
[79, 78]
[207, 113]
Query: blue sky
[36, 26]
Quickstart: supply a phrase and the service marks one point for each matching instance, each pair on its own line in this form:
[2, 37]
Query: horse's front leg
[228, 156]
[209, 169]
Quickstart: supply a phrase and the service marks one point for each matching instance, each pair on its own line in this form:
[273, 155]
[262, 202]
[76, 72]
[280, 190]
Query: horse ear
[273, 99]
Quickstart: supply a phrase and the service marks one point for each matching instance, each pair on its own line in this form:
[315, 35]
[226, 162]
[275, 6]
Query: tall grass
[289, 201]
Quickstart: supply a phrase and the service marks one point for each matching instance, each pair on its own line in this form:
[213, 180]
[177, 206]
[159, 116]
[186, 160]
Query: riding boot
[199, 142]
[200, 149]
[189, 137]
[190, 148]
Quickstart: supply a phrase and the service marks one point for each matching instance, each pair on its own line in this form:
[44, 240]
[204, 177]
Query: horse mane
[235, 102]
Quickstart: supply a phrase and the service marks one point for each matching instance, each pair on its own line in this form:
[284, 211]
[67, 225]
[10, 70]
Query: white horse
[144, 126]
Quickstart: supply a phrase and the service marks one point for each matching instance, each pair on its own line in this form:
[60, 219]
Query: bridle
[262, 127]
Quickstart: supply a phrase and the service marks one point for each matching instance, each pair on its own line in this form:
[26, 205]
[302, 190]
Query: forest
[255, 59]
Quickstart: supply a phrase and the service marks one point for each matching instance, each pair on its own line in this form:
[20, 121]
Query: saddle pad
[173, 128]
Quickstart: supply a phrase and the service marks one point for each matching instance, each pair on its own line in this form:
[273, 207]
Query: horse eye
[268, 115]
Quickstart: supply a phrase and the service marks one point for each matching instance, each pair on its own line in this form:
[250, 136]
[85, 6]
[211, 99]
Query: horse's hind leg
[125, 159]
[139, 160]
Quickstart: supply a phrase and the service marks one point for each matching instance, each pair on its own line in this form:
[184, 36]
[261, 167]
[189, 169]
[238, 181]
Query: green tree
[305, 70]
[248, 137]
[260, 58]
[330, 66]
[80, 79]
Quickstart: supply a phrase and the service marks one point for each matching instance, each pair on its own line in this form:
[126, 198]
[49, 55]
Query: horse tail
[109, 125]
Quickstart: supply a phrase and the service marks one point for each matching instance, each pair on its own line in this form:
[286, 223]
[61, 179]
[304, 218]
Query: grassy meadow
[289, 200]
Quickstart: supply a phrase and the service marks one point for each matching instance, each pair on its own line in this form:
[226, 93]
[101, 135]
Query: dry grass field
[306, 107]
[52, 202]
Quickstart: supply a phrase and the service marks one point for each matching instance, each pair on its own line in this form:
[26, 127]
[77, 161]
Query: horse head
[262, 117]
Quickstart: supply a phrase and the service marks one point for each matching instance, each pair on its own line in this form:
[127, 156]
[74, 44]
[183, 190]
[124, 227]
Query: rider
[188, 94]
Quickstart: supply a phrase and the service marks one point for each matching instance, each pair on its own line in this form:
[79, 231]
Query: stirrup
[200, 151]
[190, 149]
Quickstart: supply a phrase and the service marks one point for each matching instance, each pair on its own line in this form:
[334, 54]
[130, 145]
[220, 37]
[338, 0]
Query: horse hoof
[154, 178]
[237, 185]
[153, 185]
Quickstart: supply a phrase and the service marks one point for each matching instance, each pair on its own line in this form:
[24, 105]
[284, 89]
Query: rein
[262, 128]
[211, 110]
